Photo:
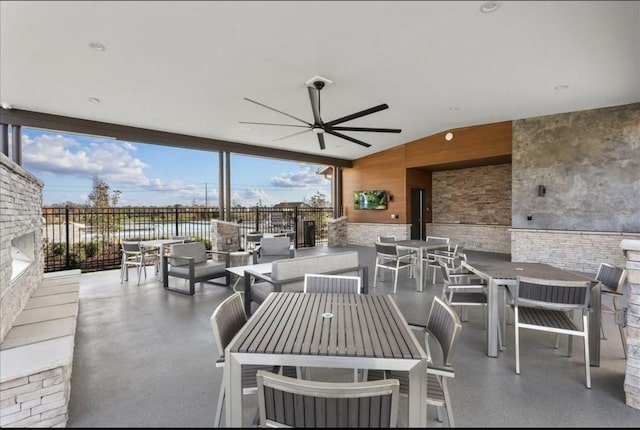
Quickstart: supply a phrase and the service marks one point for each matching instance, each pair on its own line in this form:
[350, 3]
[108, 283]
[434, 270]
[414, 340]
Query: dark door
[417, 214]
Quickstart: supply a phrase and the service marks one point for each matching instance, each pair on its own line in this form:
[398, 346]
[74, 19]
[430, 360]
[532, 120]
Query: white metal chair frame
[548, 305]
[389, 258]
[134, 255]
[430, 259]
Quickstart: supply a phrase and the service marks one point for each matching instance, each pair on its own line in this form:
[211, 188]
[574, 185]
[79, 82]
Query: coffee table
[262, 268]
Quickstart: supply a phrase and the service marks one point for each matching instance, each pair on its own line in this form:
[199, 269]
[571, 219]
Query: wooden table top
[511, 270]
[361, 325]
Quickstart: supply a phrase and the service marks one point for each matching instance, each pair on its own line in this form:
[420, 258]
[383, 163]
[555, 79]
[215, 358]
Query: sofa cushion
[201, 269]
[197, 250]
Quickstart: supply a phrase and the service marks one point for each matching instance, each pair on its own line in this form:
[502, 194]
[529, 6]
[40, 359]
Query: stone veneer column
[337, 231]
[225, 236]
[631, 250]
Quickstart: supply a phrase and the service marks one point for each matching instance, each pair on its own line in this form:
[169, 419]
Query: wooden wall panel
[411, 165]
[381, 171]
[489, 141]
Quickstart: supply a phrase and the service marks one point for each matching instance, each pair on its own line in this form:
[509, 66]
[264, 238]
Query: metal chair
[444, 326]
[134, 255]
[461, 290]
[227, 319]
[547, 305]
[290, 402]
[611, 279]
[388, 258]
[338, 284]
[431, 259]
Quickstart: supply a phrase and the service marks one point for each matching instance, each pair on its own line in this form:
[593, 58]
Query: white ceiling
[185, 67]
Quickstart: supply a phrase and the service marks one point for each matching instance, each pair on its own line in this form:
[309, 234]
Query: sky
[156, 175]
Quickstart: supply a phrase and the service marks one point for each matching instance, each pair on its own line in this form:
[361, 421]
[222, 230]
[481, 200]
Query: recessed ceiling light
[97, 46]
[94, 100]
[561, 87]
[454, 108]
[448, 137]
[489, 6]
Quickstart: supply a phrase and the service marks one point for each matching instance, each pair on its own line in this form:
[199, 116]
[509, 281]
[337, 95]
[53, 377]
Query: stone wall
[225, 236]
[582, 251]
[631, 249]
[337, 231]
[588, 163]
[38, 400]
[477, 195]
[20, 214]
[474, 237]
[366, 234]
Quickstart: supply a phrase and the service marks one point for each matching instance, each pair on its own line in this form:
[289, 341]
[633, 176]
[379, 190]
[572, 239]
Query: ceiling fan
[319, 127]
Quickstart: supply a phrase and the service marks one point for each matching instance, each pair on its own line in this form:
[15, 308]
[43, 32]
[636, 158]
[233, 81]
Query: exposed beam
[135, 134]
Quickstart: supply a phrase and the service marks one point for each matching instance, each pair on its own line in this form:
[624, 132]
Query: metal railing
[89, 238]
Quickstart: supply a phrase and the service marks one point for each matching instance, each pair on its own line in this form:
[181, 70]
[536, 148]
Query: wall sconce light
[541, 190]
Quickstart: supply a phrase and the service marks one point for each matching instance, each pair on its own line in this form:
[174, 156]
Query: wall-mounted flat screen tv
[373, 199]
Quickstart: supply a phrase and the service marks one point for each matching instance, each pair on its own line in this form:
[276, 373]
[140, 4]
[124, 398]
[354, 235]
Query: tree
[100, 220]
[318, 200]
[100, 197]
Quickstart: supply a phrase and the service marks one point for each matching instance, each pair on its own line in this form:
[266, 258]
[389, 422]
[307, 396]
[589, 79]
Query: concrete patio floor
[145, 357]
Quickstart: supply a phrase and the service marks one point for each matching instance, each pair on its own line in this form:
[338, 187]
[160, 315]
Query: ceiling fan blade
[321, 140]
[358, 114]
[314, 96]
[276, 110]
[291, 135]
[376, 130]
[271, 123]
[344, 136]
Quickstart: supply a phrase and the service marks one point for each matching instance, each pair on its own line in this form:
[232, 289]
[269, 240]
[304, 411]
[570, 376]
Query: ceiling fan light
[317, 130]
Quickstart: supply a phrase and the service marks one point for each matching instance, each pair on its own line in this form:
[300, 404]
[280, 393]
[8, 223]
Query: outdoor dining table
[504, 274]
[420, 247]
[359, 331]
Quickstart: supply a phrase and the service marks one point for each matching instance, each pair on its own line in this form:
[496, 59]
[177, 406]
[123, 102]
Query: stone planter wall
[582, 251]
[631, 249]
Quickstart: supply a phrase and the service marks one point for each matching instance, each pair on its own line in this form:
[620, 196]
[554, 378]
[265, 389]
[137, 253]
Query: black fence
[89, 238]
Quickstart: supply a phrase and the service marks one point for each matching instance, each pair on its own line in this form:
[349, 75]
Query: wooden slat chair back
[337, 284]
[290, 402]
[546, 305]
[612, 279]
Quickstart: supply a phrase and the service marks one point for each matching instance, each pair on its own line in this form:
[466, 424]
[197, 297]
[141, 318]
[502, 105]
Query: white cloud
[303, 179]
[60, 155]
